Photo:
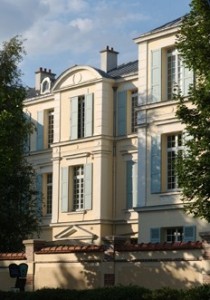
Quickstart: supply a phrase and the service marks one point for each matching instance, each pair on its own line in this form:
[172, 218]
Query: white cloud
[59, 31]
[77, 5]
[84, 25]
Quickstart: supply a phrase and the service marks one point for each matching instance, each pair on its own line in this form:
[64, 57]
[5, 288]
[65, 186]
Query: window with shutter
[78, 180]
[81, 121]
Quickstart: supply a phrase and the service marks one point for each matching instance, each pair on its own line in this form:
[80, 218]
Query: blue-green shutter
[135, 184]
[156, 164]
[39, 194]
[156, 75]
[121, 112]
[88, 186]
[189, 233]
[155, 235]
[26, 146]
[187, 80]
[131, 184]
[40, 130]
[88, 115]
[64, 189]
[74, 118]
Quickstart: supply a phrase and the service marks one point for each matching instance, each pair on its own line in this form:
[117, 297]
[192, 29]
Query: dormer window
[45, 85]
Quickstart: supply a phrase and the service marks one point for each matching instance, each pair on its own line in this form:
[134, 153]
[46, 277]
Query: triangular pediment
[75, 232]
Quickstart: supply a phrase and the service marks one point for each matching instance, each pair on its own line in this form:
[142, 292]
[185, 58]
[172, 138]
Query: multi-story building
[84, 150]
[100, 175]
[160, 138]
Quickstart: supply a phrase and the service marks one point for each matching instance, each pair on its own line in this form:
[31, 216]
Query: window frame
[175, 82]
[50, 127]
[134, 103]
[78, 198]
[68, 204]
[173, 185]
[81, 116]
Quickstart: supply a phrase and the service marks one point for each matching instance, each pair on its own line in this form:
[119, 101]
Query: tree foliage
[18, 213]
[193, 167]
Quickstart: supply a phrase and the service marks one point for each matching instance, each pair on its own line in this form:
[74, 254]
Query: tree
[193, 167]
[19, 216]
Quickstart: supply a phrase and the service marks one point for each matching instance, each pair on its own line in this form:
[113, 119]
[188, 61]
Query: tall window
[174, 72]
[134, 102]
[78, 187]
[50, 127]
[49, 193]
[81, 116]
[174, 147]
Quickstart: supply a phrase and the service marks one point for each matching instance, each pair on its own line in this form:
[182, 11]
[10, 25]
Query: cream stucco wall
[107, 154]
[162, 209]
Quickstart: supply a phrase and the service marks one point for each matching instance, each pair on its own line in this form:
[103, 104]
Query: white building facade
[160, 138]
[84, 150]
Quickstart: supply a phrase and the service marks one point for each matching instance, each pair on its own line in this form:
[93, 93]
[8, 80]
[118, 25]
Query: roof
[160, 246]
[169, 25]
[13, 256]
[70, 249]
[124, 70]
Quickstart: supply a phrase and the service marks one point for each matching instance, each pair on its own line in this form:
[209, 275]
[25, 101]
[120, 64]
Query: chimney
[40, 75]
[108, 59]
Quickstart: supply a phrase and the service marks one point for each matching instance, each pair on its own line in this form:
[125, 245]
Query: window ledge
[77, 212]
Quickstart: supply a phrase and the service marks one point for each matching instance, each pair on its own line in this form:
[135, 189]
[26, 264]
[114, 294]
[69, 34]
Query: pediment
[75, 76]
[75, 232]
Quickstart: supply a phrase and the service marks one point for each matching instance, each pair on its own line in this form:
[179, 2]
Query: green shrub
[166, 294]
[201, 292]
[112, 293]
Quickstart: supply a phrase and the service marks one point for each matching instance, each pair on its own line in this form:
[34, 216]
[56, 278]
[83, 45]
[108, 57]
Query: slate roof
[121, 71]
[165, 26]
[124, 70]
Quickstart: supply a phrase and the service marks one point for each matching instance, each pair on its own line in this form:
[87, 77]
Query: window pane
[173, 72]
[50, 127]
[174, 234]
[174, 148]
[81, 116]
[134, 102]
[78, 188]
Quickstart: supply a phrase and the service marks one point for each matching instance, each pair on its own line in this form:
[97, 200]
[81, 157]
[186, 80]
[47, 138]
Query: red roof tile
[159, 246]
[13, 256]
[70, 249]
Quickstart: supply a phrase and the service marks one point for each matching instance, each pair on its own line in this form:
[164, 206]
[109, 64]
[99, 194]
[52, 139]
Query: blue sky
[61, 33]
